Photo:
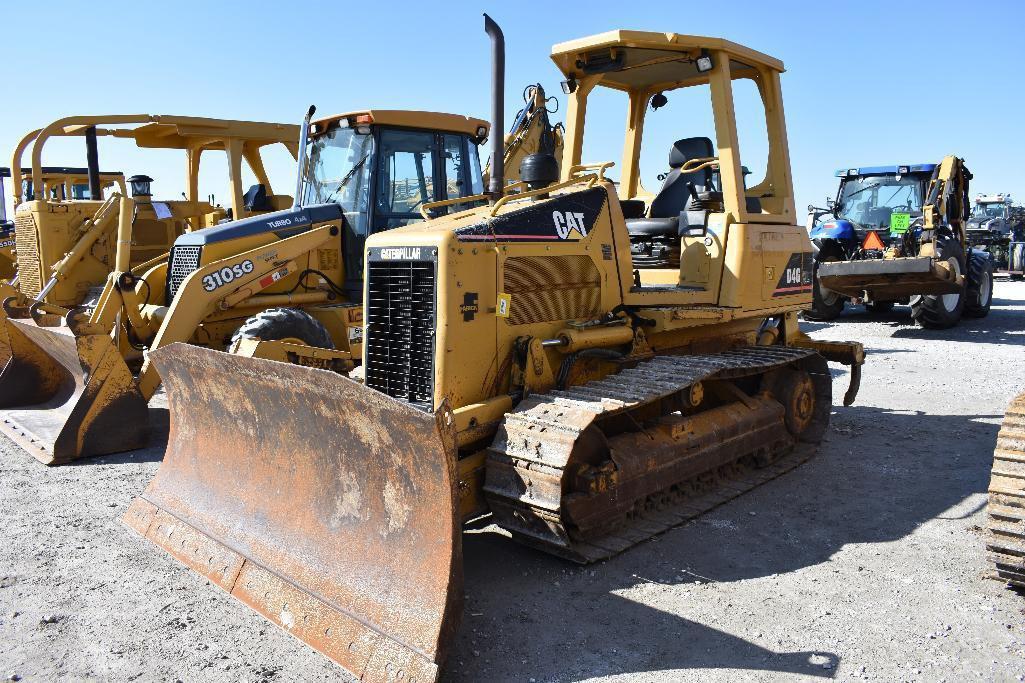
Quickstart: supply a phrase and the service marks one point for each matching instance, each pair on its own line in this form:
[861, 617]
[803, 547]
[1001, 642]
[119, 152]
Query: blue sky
[866, 83]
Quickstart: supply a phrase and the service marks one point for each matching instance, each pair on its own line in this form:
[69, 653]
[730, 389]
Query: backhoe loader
[1005, 529]
[899, 235]
[78, 389]
[517, 362]
[66, 230]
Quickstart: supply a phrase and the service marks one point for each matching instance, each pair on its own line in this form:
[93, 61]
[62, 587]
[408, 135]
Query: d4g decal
[797, 276]
[569, 217]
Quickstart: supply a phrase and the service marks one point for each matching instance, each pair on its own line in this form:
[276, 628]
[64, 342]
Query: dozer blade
[64, 397]
[327, 507]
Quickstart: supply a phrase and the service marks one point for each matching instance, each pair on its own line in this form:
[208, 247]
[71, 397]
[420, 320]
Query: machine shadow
[874, 481]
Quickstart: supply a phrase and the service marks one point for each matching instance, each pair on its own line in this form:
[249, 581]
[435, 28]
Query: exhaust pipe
[497, 181]
[304, 135]
[92, 163]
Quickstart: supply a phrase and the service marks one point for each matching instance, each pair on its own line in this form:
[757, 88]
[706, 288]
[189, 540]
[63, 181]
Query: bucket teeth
[327, 507]
[64, 397]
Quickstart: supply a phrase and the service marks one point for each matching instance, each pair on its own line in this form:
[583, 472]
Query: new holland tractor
[898, 234]
[997, 226]
[517, 362]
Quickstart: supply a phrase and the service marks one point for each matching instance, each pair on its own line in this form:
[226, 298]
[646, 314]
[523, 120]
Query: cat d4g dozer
[66, 231]
[82, 387]
[898, 235]
[1005, 530]
[59, 182]
[517, 362]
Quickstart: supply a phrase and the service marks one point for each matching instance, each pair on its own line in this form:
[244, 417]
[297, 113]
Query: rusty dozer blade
[64, 397]
[327, 507]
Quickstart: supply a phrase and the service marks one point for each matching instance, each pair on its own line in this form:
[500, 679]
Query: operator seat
[677, 191]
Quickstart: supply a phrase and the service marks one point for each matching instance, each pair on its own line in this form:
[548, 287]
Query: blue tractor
[897, 234]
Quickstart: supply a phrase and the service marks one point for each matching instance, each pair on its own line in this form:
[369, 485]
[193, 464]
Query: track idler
[64, 397]
[327, 507]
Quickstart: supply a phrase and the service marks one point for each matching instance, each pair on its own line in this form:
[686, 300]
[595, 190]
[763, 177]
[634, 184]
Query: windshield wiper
[348, 176]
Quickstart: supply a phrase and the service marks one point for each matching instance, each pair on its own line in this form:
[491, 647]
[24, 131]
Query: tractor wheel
[825, 304]
[284, 324]
[878, 307]
[941, 311]
[979, 292]
[1016, 259]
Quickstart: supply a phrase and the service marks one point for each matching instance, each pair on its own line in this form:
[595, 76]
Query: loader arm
[194, 302]
[947, 195]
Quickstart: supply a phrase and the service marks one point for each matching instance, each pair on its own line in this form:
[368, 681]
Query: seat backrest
[255, 199]
[678, 187]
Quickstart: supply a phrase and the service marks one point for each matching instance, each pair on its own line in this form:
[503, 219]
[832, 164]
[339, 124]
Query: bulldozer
[517, 363]
[59, 182]
[899, 234]
[1005, 528]
[66, 230]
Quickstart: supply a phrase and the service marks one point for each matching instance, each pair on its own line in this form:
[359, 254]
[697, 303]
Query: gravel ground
[865, 563]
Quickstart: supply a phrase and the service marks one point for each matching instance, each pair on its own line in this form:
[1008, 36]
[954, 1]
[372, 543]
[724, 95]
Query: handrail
[601, 167]
[425, 209]
[589, 179]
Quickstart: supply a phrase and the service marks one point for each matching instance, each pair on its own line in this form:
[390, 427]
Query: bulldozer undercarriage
[1005, 533]
[589, 471]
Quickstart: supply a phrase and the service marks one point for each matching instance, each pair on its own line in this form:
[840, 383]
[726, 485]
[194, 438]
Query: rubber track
[1005, 533]
[534, 436]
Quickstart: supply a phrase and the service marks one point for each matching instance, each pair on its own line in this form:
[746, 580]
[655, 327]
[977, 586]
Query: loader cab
[885, 200]
[383, 166]
[681, 215]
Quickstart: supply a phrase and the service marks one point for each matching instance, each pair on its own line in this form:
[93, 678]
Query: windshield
[337, 172]
[870, 200]
[989, 210]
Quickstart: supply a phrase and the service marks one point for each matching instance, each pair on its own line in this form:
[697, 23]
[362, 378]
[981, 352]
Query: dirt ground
[865, 563]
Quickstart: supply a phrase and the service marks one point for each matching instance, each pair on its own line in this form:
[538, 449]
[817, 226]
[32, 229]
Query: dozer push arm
[262, 268]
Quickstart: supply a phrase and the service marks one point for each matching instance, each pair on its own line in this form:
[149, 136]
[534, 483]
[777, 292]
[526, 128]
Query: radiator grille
[26, 241]
[399, 342]
[184, 261]
[551, 288]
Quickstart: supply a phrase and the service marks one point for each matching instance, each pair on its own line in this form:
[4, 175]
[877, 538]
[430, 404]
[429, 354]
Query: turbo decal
[569, 217]
[226, 275]
[797, 276]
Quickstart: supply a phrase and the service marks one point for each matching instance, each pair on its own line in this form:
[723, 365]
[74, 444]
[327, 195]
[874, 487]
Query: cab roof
[633, 60]
[405, 118]
[168, 131]
[885, 170]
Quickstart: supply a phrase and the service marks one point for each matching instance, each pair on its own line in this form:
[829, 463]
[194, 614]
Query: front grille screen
[184, 262]
[26, 241]
[400, 328]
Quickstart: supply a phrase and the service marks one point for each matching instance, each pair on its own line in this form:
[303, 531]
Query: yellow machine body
[517, 361]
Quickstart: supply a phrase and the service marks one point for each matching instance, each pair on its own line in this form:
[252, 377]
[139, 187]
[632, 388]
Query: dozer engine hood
[283, 224]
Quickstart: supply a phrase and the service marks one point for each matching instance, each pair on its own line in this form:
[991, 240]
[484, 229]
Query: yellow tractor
[517, 362]
[1005, 533]
[77, 384]
[66, 231]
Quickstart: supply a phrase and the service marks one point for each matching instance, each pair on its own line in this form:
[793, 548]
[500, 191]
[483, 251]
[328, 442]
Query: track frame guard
[329, 508]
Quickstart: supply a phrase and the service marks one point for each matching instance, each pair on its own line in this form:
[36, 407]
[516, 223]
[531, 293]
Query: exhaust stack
[92, 163]
[497, 181]
[304, 135]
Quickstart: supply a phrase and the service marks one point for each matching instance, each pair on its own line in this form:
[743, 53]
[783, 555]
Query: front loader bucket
[327, 507]
[888, 279]
[64, 397]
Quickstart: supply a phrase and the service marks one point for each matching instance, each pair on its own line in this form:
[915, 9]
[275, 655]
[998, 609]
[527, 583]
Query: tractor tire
[878, 307]
[979, 292]
[941, 311]
[284, 324]
[1016, 259]
[826, 305]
